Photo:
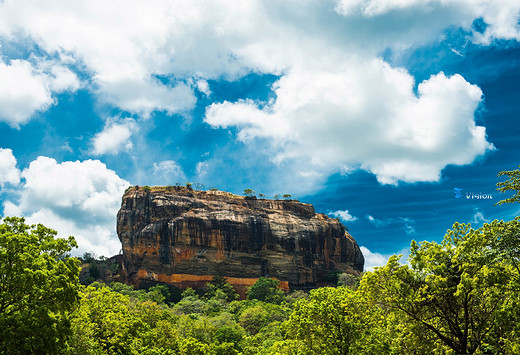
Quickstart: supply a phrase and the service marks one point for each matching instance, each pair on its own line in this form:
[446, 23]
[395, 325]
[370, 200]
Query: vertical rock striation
[183, 237]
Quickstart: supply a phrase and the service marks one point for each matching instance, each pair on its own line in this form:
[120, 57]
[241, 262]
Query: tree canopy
[249, 192]
[336, 321]
[38, 288]
[457, 295]
[511, 184]
[267, 290]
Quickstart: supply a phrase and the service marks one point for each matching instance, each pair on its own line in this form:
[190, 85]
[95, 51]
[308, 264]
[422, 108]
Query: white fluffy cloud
[407, 223]
[201, 169]
[142, 61]
[168, 171]
[344, 215]
[62, 78]
[366, 115]
[26, 88]
[145, 96]
[338, 105]
[22, 92]
[75, 198]
[478, 217]
[114, 137]
[203, 87]
[501, 16]
[9, 173]
[373, 260]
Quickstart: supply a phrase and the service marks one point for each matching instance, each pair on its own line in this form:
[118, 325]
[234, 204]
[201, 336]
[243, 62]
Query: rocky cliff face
[183, 237]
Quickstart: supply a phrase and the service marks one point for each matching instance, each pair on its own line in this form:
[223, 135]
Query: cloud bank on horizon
[336, 105]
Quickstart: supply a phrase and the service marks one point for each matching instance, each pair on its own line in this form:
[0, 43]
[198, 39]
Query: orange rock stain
[184, 281]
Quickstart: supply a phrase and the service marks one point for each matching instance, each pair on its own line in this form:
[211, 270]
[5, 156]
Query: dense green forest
[454, 297]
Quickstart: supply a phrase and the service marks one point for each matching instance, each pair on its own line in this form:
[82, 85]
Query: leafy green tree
[224, 349]
[108, 322]
[88, 257]
[458, 292]
[158, 333]
[158, 294]
[190, 303]
[511, 184]
[286, 347]
[267, 290]
[124, 289]
[349, 280]
[254, 318]
[103, 322]
[38, 287]
[161, 339]
[262, 342]
[219, 283]
[287, 196]
[295, 296]
[229, 334]
[501, 244]
[215, 305]
[118, 287]
[199, 327]
[249, 193]
[94, 271]
[191, 346]
[336, 321]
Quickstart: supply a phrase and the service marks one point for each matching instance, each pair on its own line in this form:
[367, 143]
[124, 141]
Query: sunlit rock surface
[183, 237]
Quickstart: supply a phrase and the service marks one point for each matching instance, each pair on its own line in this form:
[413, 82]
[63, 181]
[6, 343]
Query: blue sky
[372, 110]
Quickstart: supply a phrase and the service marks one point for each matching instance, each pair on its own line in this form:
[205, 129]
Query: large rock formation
[183, 237]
